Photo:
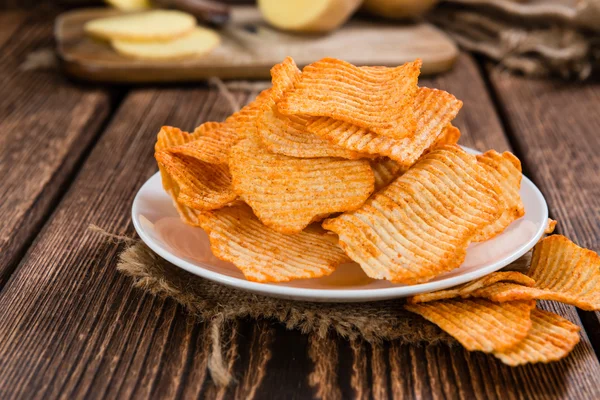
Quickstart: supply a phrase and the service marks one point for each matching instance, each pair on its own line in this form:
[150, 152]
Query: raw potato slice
[385, 171]
[478, 324]
[550, 338]
[264, 255]
[362, 96]
[130, 5]
[421, 224]
[287, 134]
[505, 168]
[148, 26]
[288, 193]
[167, 138]
[434, 109]
[202, 186]
[307, 15]
[468, 288]
[198, 42]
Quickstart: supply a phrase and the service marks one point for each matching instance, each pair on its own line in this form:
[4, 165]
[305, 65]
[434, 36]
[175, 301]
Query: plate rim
[334, 295]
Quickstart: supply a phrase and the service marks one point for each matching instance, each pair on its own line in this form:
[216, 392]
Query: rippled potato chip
[202, 186]
[170, 137]
[385, 171]
[550, 227]
[376, 98]
[550, 338]
[421, 224]
[212, 143]
[466, 290]
[434, 109]
[505, 168]
[478, 324]
[287, 134]
[288, 193]
[264, 255]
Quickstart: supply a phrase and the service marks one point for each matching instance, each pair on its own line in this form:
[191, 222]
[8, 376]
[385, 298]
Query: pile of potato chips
[339, 163]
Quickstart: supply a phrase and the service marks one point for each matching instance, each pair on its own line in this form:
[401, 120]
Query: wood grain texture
[47, 125]
[71, 325]
[74, 328]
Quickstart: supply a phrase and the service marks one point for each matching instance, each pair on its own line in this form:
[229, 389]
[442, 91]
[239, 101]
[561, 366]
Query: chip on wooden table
[562, 271]
[478, 324]
[287, 134]
[465, 290]
[201, 185]
[434, 109]
[376, 98]
[385, 171]
[169, 137]
[550, 227]
[264, 255]
[288, 193]
[147, 26]
[550, 338]
[505, 168]
[420, 225]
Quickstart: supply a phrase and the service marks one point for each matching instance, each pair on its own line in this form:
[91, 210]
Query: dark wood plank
[95, 334]
[74, 327]
[47, 125]
[555, 126]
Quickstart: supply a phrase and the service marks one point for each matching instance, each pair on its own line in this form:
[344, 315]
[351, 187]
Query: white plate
[157, 223]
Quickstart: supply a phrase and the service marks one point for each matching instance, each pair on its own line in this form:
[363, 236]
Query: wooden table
[71, 326]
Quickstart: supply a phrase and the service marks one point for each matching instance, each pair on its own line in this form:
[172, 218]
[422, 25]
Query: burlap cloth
[218, 305]
[535, 37]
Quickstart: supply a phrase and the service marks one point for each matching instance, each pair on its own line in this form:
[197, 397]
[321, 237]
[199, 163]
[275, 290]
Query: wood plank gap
[116, 98]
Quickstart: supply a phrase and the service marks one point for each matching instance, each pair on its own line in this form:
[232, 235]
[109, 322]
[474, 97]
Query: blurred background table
[72, 327]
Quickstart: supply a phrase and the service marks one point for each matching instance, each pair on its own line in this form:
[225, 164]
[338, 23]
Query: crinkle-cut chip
[550, 338]
[201, 185]
[478, 324]
[450, 135]
[212, 143]
[385, 170]
[288, 193]
[376, 98]
[244, 121]
[287, 134]
[434, 109]
[465, 290]
[170, 137]
[560, 266]
[420, 225]
[550, 227]
[505, 168]
[264, 255]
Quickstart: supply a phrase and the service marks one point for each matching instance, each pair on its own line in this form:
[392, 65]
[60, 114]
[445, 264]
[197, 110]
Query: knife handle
[207, 11]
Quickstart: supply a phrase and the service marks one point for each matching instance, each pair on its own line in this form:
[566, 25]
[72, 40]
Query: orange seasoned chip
[212, 143]
[264, 255]
[550, 338]
[550, 227]
[570, 272]
[170, 137]
[288, 193]
[478, 324]
[385, 171]
[201, 185]
[287, 134]
[420, 225]
[434, 109]
[505, 169]
[376, 98]
[466, 290]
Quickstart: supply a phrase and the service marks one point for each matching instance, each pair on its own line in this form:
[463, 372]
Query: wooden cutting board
[250, 48]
